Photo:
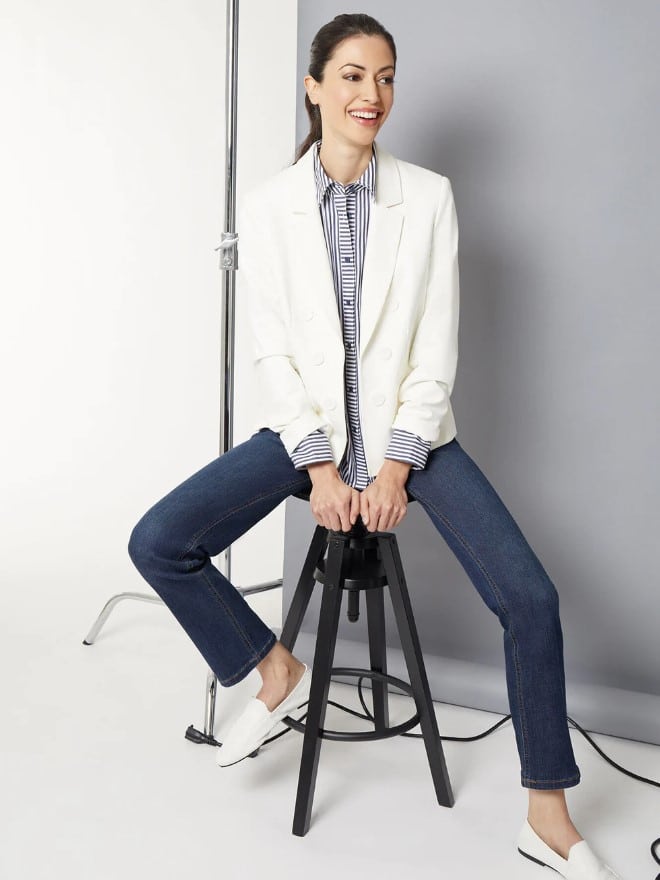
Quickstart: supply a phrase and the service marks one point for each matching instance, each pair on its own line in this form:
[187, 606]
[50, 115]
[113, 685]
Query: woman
[375, 328]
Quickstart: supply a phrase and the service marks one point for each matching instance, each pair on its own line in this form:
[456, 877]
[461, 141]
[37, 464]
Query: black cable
[369, 717]
[656, 856]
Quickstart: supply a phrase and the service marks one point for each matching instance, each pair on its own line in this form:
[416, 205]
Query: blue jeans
[172, 544]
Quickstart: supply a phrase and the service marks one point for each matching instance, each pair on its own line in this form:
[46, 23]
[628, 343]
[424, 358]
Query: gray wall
[544, 117]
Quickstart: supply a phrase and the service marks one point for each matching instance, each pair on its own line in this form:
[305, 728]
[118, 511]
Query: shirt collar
[367, 179]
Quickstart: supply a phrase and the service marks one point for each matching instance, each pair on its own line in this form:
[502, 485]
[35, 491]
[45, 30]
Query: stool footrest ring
[360, 735]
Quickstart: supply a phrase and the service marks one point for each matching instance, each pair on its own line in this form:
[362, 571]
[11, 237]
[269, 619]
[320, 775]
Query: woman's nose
[370, 92]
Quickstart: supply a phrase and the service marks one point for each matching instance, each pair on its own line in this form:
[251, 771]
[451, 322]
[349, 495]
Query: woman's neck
[344, 163]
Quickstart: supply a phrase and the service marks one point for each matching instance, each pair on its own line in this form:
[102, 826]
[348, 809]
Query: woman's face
[358, 76]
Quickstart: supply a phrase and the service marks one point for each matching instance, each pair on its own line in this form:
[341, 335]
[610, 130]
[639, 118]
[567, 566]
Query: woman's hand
[384, 503]
[334, 504]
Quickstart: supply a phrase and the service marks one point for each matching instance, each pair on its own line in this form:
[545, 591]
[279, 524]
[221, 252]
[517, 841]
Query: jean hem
[548, 784]
[247, 668]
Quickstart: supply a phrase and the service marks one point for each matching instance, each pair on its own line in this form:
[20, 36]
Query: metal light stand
[228, 265]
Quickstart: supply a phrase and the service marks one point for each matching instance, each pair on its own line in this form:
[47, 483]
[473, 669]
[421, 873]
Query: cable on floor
[369, 717]
[655, 846]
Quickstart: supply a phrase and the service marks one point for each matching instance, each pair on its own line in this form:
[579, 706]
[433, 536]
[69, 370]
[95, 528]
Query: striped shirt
[345, 212]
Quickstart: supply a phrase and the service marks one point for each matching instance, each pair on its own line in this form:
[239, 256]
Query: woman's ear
[310, 87]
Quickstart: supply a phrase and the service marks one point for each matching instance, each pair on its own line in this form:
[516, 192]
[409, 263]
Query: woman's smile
[365, 117]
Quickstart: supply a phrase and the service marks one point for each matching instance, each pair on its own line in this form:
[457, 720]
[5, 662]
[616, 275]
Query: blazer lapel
[309, 240]
[385, 226]
[384, 235]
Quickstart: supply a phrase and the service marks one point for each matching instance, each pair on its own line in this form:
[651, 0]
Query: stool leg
[378, 655]
[415, 663]
[318, 697]
[304, 590]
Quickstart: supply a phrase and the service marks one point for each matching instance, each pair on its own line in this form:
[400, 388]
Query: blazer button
[378, 399]
[386, 353]
[317, 357]
[307, 314]
[331, 403]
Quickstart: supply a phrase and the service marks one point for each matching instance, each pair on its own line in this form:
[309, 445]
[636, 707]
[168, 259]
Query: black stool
[358, 560]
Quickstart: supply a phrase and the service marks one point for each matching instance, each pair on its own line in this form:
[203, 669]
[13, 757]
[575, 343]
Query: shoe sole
[538, 861]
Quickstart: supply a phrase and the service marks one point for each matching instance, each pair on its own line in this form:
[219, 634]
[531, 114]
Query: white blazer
[409, 308]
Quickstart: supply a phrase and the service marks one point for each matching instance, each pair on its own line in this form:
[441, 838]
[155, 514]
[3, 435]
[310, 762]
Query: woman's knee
[139, 543]
[150, 540]
[538, 603]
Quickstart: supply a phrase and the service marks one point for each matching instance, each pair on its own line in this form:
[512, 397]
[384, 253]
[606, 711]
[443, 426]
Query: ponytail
[314, 113]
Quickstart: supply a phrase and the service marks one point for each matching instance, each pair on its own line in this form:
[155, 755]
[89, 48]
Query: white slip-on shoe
[255, 723]
[582, 862]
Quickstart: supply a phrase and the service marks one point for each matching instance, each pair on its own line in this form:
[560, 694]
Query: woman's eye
[389, 80]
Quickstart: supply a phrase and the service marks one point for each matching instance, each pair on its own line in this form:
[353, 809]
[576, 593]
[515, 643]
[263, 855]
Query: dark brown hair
[323, 46]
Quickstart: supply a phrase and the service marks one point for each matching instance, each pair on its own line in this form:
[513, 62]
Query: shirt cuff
[313, 448]
[404, 446]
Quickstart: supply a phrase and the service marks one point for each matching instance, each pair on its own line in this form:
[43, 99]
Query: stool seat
[357, 575]
[362, 568]
[353, 562]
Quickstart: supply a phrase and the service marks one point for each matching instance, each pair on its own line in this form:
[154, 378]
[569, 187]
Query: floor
[99, 782]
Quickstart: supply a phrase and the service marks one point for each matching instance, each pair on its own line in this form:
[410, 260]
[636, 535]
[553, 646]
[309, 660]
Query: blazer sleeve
[286, 406]
[425, 390]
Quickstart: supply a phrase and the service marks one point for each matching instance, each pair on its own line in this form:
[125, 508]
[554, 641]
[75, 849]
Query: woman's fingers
[382, 509]
[337, 507]
[364, 508]
[355, 506]
[345, 515]
[396, 516]
[333, 505]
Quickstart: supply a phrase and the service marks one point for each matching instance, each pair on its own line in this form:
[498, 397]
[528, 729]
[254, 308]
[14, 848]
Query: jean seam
[230, 615]
[565, 779]
[500, 602]
[256, 656]
[229, 513]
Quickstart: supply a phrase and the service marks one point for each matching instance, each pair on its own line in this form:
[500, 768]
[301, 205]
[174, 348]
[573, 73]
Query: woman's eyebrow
[387, 66]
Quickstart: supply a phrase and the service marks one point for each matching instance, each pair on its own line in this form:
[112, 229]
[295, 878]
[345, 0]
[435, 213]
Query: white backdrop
[112, 181]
